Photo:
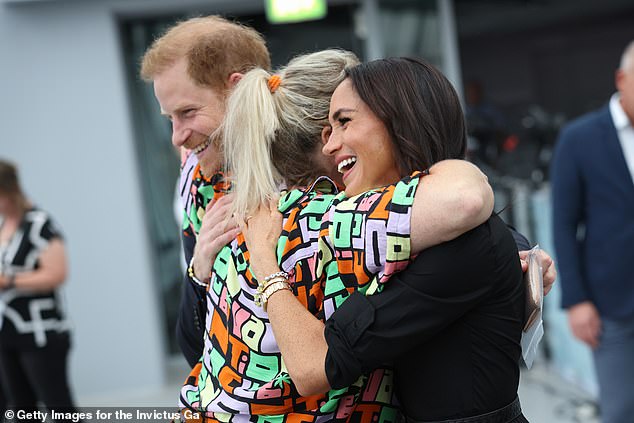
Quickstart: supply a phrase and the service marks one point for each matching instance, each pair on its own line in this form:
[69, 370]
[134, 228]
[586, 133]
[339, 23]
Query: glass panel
[158, 171]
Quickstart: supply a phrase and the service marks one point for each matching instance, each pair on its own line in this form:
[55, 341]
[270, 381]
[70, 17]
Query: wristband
[192, 275]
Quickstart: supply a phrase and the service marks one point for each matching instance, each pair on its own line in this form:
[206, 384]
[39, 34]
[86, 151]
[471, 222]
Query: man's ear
[234, 78]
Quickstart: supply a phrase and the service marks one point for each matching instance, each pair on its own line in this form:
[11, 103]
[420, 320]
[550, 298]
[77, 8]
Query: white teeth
[202, 146]
[345, 163]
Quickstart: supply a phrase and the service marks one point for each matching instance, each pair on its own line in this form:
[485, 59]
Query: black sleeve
[191, 315]
[437, 288]
[520, 240]
[50, 230]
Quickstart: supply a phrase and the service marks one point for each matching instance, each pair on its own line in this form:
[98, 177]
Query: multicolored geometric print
[196, 191]
[331, 246]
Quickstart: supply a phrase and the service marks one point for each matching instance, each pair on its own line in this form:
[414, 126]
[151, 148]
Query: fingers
[226, 238]
[549, 271]
[589, 336]
[549, 278]
[217, 213]
[585, 323]
[273, 203]
[594, 331]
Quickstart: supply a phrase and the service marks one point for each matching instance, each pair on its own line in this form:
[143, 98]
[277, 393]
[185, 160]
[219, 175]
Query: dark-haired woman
[450, 326]
[34, 330]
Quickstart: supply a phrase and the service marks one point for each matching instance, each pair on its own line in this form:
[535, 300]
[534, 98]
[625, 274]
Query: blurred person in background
[486, 124]
[34, 330]
[593, 221]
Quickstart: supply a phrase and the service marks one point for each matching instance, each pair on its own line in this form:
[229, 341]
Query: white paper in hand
[533, 324]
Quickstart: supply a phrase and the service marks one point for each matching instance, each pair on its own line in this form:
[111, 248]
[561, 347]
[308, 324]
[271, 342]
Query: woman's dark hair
[418, 106]
[9, 183]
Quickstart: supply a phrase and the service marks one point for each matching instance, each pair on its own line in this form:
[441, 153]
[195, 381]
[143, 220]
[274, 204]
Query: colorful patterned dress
[331, 246]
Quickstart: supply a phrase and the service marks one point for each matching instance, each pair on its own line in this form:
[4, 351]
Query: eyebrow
[179, 109]
[338, 113]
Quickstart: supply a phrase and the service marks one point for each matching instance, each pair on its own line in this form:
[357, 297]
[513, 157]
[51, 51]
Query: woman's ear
[325, 134]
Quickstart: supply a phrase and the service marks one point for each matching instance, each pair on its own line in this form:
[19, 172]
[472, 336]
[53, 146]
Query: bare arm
[299, 334]
[50, 273]
[454, 198]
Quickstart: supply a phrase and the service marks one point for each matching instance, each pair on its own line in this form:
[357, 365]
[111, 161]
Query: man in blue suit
[593, 216]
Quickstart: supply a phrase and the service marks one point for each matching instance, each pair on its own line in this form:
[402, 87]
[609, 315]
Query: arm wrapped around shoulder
[454, 198]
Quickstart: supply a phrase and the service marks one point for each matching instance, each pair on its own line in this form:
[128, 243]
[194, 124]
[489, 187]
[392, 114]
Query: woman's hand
[261, 231]
[549, 272]
[218, 228]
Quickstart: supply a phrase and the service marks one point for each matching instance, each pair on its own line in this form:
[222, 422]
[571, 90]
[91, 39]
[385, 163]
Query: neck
[629, 117]
[10, 216]
[15, 212]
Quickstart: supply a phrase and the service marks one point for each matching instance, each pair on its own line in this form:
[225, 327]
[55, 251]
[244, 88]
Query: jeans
[614, 362]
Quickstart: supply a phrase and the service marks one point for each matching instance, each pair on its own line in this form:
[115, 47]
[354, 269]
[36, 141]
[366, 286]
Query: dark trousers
[35, 376]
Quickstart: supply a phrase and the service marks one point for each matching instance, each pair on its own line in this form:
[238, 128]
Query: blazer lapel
[615, 153]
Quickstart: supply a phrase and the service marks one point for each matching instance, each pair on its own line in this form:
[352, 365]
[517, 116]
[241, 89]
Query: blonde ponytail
[248, 132]
[272, 135]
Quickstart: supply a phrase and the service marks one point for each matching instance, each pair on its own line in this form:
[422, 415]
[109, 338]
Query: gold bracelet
[271, 289]
[263, 291]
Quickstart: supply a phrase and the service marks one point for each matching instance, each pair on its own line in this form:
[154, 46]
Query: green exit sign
[289, 11]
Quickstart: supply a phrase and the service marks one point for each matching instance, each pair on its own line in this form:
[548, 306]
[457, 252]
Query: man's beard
[212, 158]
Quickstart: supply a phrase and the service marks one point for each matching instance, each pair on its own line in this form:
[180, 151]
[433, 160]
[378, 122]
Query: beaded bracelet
[192, 276]
[275, 275]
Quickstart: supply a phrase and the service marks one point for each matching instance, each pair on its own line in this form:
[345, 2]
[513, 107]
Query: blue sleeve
[568, 183]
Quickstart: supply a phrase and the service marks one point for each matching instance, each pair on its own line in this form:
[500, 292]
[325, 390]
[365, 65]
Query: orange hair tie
[274, 83]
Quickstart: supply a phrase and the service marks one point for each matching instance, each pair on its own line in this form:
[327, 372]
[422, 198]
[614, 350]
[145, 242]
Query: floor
[545, 398]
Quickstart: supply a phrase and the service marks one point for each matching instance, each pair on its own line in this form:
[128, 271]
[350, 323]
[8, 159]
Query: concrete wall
[65, 121]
